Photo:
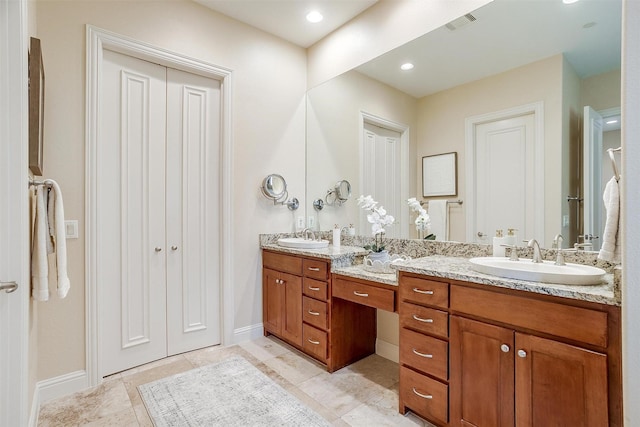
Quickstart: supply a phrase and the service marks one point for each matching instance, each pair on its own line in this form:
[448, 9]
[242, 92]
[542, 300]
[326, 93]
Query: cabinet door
[482, 374]
[559, 385]
[292, 312]
[272, 301]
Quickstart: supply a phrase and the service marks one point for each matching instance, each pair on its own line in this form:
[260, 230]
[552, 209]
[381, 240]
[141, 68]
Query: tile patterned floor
[362, 394]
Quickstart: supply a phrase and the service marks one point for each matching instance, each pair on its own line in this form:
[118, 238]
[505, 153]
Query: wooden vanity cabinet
[298, 307]
[515, 359]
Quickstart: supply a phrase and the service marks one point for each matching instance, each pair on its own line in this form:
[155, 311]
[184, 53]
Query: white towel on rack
[39, 260]
[57, 227]
[610, 249]
[438, 210]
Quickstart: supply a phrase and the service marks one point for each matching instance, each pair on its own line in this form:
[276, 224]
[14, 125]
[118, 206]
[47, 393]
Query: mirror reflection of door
[382, 174]
[601, 132]
[503, 178]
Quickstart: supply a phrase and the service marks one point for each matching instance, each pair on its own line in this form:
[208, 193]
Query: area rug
[229, 393]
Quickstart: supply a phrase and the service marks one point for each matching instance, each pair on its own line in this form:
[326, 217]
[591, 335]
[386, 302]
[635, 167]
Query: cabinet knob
[505, 348]
[522, 353]
[158, 249]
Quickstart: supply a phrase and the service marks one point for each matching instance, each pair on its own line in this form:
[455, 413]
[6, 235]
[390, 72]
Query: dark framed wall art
[36, 107]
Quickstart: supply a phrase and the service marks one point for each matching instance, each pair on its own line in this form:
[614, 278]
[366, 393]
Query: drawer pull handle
[428, 356]
[420, 319]
[422, 291]
[311, 288]
[424, 396]
[313, 313]
[313, 342]
[360, 294]
[314, 268]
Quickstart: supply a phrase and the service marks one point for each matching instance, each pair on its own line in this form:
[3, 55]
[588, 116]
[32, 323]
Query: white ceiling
[506, 34]
[287, 18]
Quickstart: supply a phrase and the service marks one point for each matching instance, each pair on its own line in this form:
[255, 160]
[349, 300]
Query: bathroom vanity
[475, 350]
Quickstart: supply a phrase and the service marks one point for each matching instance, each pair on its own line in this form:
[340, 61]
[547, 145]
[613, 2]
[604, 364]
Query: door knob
[481, 234]
[8, 287]
[158, 249]
[174, 248]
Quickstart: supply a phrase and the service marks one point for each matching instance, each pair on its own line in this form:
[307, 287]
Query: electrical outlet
[71, 229]
[300, 222]
[311, 222]
[565, 220]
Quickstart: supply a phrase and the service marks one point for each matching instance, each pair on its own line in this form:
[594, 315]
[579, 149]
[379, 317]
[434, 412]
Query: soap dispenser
[498, 241]
[511, 238]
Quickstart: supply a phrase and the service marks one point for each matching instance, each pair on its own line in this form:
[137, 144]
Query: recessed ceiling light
[610, 122]
[406, 66]
[314, 16]
[569, 1]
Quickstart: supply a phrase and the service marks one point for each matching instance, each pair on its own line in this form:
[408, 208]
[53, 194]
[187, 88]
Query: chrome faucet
[306, 232]
[557, 243]
[537, 256]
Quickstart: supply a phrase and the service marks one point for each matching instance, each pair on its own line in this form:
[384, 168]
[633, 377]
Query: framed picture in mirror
[36, 107]
[440, 175]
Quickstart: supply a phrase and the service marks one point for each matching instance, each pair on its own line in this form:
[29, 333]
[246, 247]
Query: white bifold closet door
[158, 194]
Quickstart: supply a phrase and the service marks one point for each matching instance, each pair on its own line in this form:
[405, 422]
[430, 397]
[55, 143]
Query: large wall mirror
[373, 125]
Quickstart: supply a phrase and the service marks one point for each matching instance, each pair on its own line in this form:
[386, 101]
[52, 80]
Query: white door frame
[14, 214]
[403, 130]
[97, 41]
[537, 109]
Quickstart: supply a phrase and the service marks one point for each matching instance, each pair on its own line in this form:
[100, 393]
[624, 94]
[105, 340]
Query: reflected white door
[592, 177]
[158, 189]
[382, 154]
[504, 181]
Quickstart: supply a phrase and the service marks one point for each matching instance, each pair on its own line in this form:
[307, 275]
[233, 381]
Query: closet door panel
[193, 183]
[131, 203]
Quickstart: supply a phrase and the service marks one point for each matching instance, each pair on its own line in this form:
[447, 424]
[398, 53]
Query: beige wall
[441, 127]
[385, 26]
[268, 87]
[601, 91]
[333, 138]
[571, 154]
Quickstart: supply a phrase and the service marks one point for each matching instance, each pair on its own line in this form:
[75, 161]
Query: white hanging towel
[437, 210]
[610, 249]
[39, 262]
[58, 234]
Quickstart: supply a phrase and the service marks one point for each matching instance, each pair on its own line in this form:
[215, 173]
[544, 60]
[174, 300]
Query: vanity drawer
[364, 294]
[314, 342]
[424, 353]
[424, 396]
[314, 312]
[315, 289]
[424, 291]
[424, 319]
[576, 323]
[281, 262]
[315, 269]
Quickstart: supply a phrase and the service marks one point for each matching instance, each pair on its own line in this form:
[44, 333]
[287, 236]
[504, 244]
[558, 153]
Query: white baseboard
[56, 387]
[388, 350]
[247, 333]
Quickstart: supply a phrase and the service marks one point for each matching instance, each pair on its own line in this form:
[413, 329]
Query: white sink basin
[300, 243]
[546, 272]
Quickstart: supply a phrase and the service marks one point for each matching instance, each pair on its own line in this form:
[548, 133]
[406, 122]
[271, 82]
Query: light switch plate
[71, 229]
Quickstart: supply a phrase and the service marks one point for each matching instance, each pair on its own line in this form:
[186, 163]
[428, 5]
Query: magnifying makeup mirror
[274, 187]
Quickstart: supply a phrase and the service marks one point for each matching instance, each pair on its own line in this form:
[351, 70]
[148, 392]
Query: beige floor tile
[294, 367]
[142, 415]
[265, 348]
[131, 382]
[152, 365]
[207, 356]
[383, 409]
[125, 418]
[86, 406]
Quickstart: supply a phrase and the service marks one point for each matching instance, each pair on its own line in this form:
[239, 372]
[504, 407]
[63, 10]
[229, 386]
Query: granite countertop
[460, 269]
[345, 261]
